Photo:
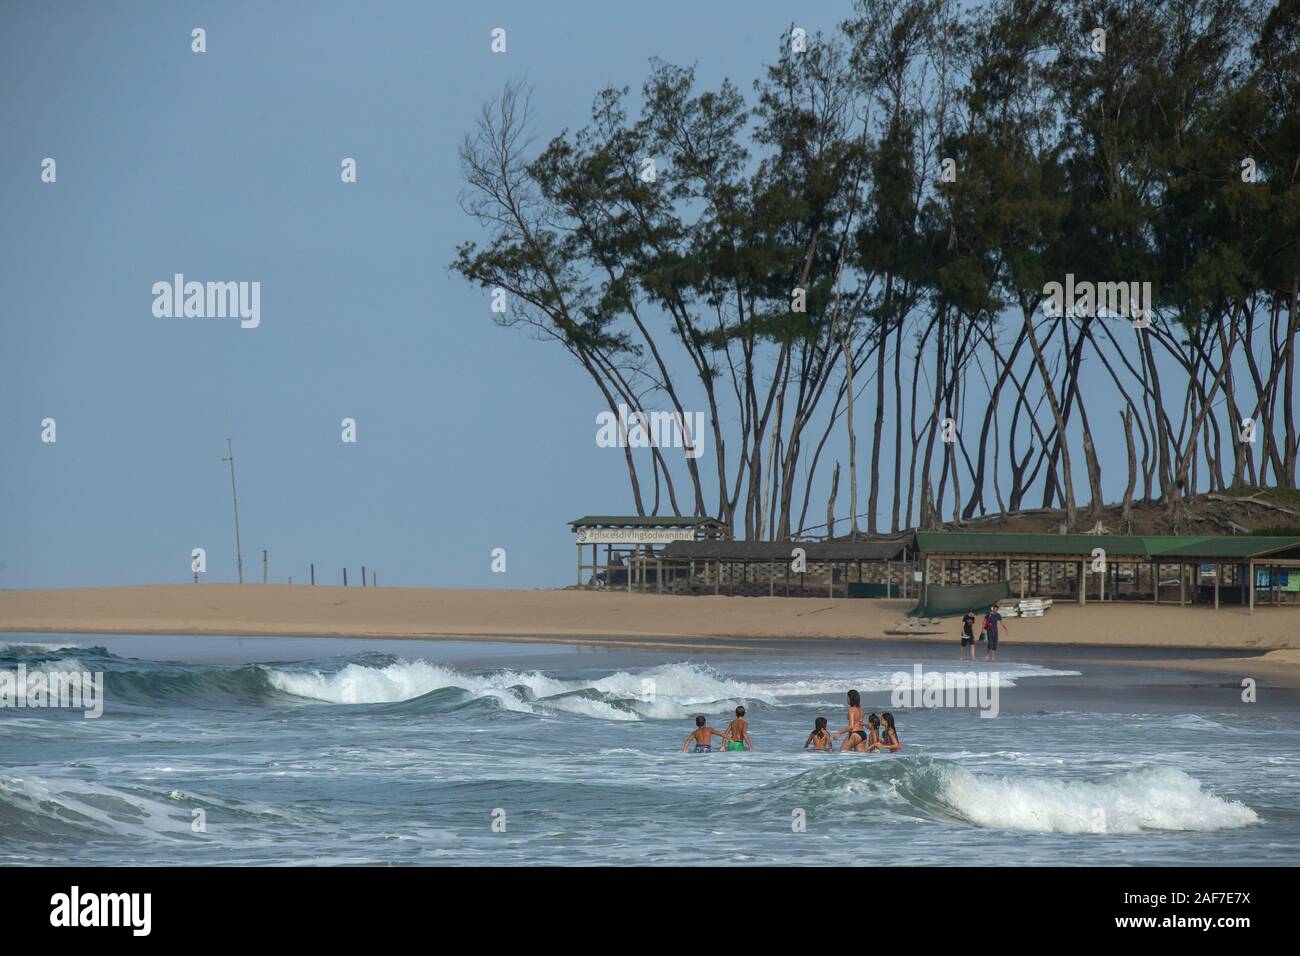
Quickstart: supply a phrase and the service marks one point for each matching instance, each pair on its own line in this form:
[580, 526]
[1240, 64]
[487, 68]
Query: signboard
[634, 535]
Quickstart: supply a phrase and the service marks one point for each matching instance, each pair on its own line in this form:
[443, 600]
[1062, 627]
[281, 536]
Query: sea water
[326, 751]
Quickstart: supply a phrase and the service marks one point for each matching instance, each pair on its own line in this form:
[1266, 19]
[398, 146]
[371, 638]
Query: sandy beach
[641, 620]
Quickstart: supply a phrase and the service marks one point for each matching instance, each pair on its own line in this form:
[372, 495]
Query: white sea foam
[667, 692]
[28, 647]
[671, 691]
[89, 805]
[359, 684]
[1148, 799]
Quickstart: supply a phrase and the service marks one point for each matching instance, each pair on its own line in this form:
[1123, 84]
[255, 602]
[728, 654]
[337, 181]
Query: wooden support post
[579, 584]
[1182, 583]
[889, 576]
[1218, 573]
[659, 575]
[313, 573]
[1083, 584]
[1252, 587]
[717, 581]
[345, 577]
[771, 580]
[1155, 582]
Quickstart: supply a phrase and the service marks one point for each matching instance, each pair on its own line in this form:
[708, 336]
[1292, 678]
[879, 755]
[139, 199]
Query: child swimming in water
[820, 738]
[889, 739]
[737, 733]
[855, 735]
[703, 736]
[873, 734]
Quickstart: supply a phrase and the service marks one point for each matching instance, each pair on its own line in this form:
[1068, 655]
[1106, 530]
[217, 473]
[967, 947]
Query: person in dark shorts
[702, 736]
[967, 636]
[992, 624]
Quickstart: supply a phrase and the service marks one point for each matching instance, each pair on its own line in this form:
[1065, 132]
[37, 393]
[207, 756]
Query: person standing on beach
[992, 621]
[967, 636]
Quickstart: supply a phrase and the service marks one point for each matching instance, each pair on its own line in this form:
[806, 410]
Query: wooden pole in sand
[1218, 573]
[1252, 586]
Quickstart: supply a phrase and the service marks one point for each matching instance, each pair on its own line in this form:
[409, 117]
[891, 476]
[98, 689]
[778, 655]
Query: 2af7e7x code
[1198, 898]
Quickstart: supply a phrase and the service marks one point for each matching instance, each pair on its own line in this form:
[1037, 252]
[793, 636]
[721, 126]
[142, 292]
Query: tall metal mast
[239, 555]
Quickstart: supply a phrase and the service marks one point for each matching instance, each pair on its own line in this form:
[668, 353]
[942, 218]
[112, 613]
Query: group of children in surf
[861, 735]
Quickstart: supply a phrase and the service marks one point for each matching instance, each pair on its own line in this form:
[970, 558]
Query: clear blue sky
[225, 166]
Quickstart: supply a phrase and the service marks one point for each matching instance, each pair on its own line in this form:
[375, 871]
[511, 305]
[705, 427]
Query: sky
[225, 166]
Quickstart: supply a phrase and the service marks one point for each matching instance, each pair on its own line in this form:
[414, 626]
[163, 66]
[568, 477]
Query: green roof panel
[1227, 547]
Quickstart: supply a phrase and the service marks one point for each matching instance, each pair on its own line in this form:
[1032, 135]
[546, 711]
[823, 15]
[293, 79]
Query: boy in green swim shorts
[737, 733]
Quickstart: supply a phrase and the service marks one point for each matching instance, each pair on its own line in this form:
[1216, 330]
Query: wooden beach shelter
[843, 567]
[1162, 569]
[633, 547]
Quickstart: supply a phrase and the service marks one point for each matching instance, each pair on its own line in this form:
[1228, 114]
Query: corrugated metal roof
[874, 549]
[1239, 547]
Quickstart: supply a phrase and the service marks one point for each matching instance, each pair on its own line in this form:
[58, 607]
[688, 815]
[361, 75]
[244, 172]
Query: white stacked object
[1034, 607]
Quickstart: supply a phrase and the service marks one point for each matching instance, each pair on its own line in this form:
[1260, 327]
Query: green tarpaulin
[869, 589]
[952, 600]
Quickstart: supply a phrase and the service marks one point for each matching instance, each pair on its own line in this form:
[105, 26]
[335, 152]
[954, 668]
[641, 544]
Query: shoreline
[1271, 638]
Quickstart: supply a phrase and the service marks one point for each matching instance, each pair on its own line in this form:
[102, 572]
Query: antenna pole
[239, 555]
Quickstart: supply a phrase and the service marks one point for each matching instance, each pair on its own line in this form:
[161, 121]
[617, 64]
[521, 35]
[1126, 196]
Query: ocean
[271, 751]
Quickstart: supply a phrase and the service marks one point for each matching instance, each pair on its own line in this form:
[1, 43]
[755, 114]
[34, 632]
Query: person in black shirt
[967, 636]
